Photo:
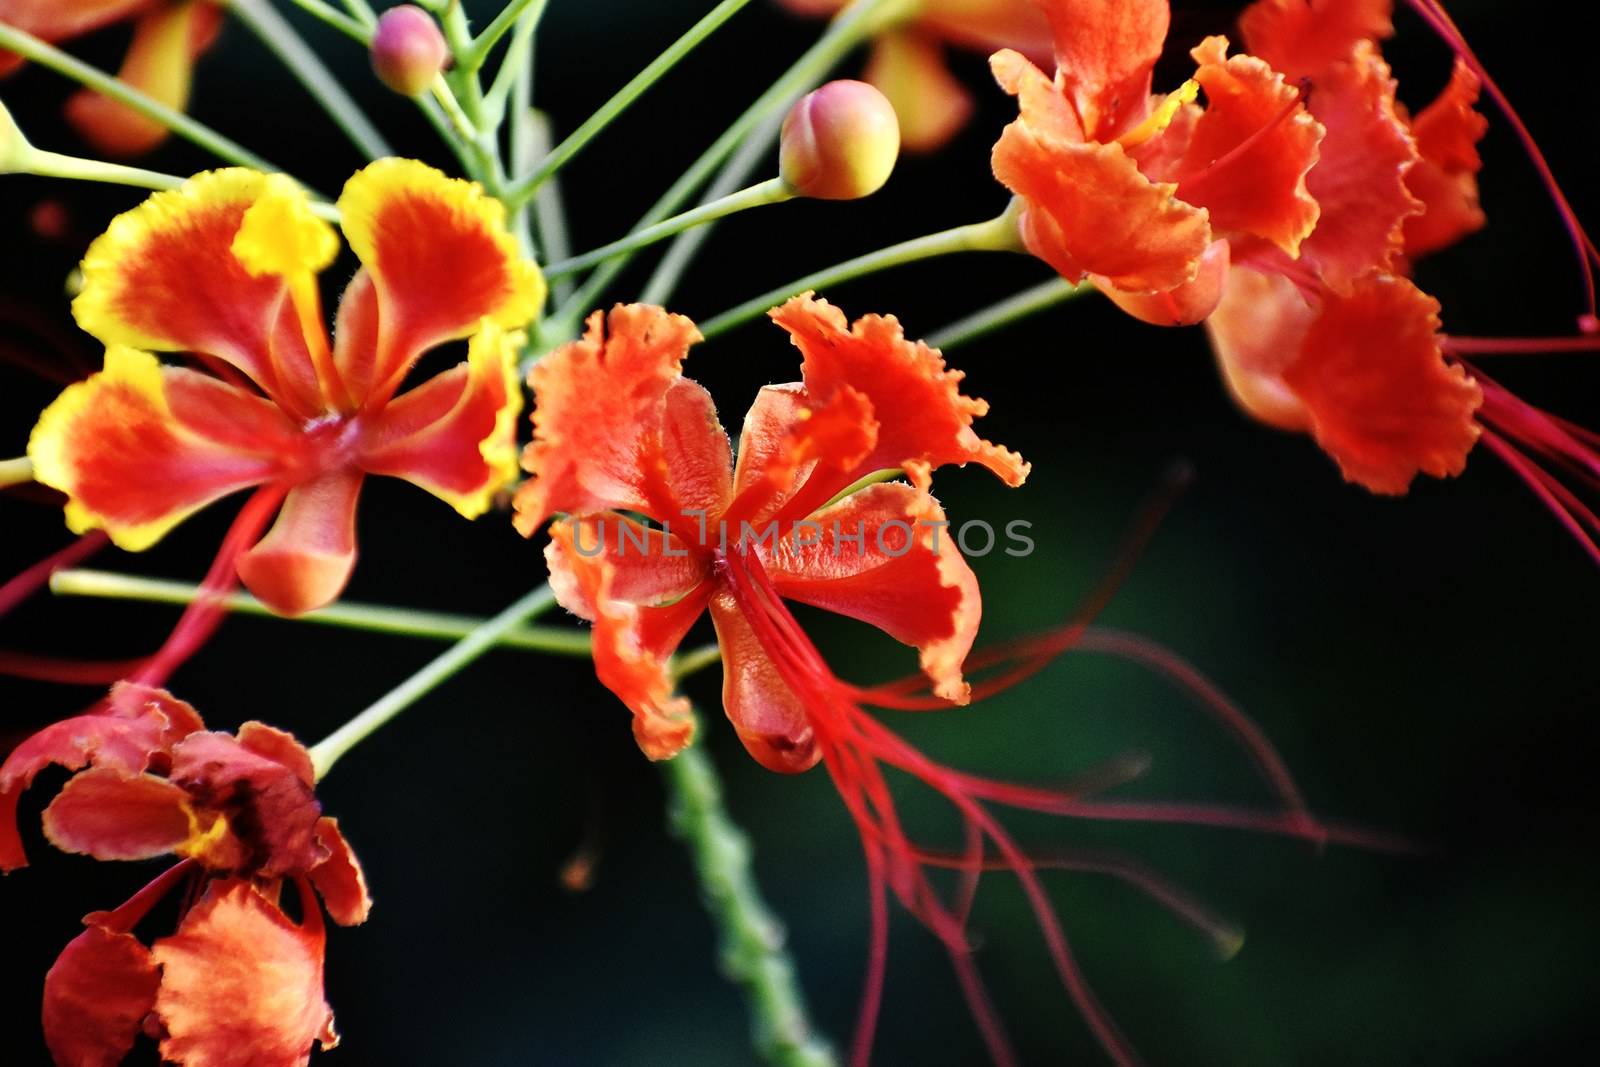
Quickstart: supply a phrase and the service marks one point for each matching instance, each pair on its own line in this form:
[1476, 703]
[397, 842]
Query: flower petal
[440, 259]
[886, 556]
[164, 277]
[96, 997]
[1186, 305]
[764, 711]
[1445, 179]
[1088, 209]
[1303, 38]
[279, 746]
[930, 102]
[1257, 331]
[339, 878]
[110, 815]
[793, 445]
[1105, 51]
[1250, 150]
[632, 643]
[455, 435]
[305, 560]
[139, 447]
[241, 984]
[1382, 400]
[617, 426]
[270, 813]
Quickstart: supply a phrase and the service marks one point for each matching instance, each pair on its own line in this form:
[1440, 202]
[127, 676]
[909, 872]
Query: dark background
[1426, 665]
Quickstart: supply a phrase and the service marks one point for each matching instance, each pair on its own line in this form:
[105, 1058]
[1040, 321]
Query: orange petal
[54, 20]
[633, 643]
[1303, 38]
[339, 878]
[617, 426]
[110, 815]
[1088, 209]
[96, 997]
[1257, 331]
[280, 747]
[159, 64]
[886, 556]
[270, 812]
[1445, 179]
[930, 102]
[241, 984]
[1105, 51]
[1382, 400]
[769, 719]
[305, 560]
[139, 447]
[791, 442]
[1186, 305]
[441, 260]
[456, 434]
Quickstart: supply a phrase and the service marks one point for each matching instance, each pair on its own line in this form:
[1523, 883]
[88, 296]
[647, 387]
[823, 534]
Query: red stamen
[126, 917]
[1517, 346]
[31, 580]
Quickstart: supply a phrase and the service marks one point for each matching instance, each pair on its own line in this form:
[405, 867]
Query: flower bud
[408, 51]
[839, 142]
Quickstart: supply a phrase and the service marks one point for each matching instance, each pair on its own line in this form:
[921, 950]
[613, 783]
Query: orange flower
[224, 269]
[1138, 192]
[168, 35]
[239, 981]
[907, 63]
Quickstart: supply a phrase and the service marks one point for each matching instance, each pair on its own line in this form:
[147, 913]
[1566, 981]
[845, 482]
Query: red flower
[167, 37]
[239, 981]
[224, 269]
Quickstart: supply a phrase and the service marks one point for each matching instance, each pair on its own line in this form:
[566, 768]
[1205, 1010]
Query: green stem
[853, 24]
[996, 235]
[17, 471]
[281, 38]
[1028, 302]
[328, 751]
[350, 26]
[475, 54]
[30, 47]
[624, 97]
[771, 191]
[753, 951]
[549, 211]
[43, 164]
[518, 59]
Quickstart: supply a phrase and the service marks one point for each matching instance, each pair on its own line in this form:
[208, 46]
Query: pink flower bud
[408, 51]
[839, 142]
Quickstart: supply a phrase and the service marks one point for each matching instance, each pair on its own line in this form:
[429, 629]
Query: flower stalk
[1014, 308]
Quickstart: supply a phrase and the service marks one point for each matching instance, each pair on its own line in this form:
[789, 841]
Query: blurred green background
[1426, 665]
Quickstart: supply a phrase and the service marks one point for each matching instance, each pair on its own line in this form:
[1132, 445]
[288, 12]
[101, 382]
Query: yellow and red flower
[224, 270]
[239, 980]
[168, 35]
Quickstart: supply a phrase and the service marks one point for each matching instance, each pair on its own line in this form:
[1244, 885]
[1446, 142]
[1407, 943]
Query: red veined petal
[456, 434]
[164, 276]
[1381, 399]
[909, 579]
[242, 984]
[139, 724]
[268, 813]
[96, 997]
[1303, 38]
[440, 260]
[1105, 51]
[305, 560]
[931, 103]
[792, 445]
[339, 878]
[1087, 208]
[110, 815]
[159, 63]
[1250, 150]
[633, 643]
[139, 447]
[616, 425]
[1256, 331]
[1445, 179]
[766, 714]
[1186, 305]
[924, 421]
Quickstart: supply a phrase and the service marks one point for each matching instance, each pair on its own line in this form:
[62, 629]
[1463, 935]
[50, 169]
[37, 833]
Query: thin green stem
[620, 101]
[771, 191]
[753, 950]
[282, 39]
[17, 471]
[474, 55]
[328, 751]
[996, 235]
[860, 20]
[463, 125]
[549, 211]
[30, 47]
[519, 58]
[1028, 302]
[361, 10]
[45, 164]
[349, 25]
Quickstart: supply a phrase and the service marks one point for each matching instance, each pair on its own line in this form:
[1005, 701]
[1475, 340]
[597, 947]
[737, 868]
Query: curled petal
[1445, 179]
[96, 997]
[339, 878]
[109, 815]
[305, 560]
[279, 746]
[265, 815]
[1105, 51]
[139, 447]
[1186, 305]
[455, 435]
[648, 566]
[765, 713]
[1303, 38]
[1381, 399]
[886, 556]
[632, 643]
[615, 424]
[241, 984]
[1257, 331]
[441, 261]
[930, 102]
[791, 445]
